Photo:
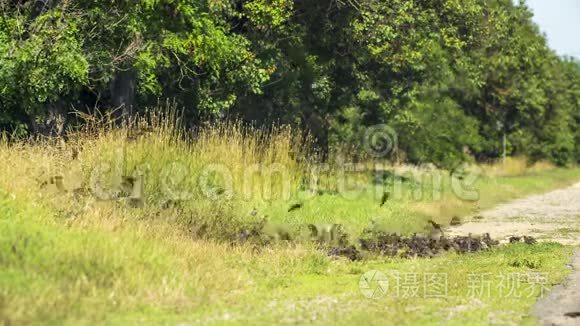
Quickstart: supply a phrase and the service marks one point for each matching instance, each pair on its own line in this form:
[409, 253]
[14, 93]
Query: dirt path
[554, 216]
[562, 305]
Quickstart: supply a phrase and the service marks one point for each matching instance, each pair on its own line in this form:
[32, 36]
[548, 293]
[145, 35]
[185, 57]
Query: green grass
[496, 190]
[407, 214]
[70, 258]
[51, 273]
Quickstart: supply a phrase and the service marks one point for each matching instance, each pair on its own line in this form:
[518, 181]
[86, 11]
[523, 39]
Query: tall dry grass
[515, 166]
[217, 179]
[206, 180]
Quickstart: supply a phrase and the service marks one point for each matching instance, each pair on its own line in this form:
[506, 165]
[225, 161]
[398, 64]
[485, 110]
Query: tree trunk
[42, 6]
[123, 90]
[51, 121]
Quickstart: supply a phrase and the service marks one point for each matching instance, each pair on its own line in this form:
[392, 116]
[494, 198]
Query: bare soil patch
[553, 216]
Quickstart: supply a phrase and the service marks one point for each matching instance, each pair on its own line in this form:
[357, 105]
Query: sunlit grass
[516, 166]
[80, 256]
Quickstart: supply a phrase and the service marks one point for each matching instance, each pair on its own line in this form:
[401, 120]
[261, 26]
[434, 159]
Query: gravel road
[554, 216]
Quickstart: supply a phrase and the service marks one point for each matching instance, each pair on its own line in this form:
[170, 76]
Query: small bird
[294, 207]
[74, 153]
[384, 199]
[127, 183]
[574, 314]
[455, 221]
[57, 181]
[136, 196]
[435, 225]
[437, 232]
[515, 239]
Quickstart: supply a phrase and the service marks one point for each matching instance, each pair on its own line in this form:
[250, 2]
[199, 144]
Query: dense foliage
[453, 78]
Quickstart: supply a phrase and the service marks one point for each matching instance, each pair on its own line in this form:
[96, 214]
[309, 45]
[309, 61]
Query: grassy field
[80, 251]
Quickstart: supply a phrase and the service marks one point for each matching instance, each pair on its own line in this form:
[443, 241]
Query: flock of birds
[331, 237]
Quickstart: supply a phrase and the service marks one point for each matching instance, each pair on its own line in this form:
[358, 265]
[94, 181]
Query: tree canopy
[452, 77]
